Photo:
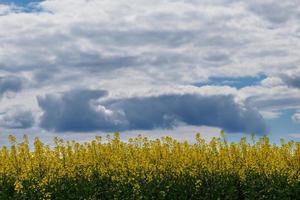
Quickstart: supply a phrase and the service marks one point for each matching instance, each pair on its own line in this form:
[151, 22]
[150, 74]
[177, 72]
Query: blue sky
[79, 68]
[24, 5]
[236, 82]
[19, 2]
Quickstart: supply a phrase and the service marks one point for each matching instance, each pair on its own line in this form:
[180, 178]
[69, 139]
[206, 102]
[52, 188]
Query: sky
[76, 69]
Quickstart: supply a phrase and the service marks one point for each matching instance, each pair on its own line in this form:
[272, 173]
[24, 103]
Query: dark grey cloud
[291, 80]
[277, 103]
[276, 12]
[166, 110]
[10, 84]
[73, 111]
[43, 75]
[16, 119]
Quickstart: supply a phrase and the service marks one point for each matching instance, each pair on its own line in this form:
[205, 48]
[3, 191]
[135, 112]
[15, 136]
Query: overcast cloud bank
[124, 52]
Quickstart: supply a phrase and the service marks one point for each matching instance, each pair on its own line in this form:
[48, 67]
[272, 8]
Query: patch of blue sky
[20, 2]
[283, 126]
[237, 82]
[23, 5]
[279, 128]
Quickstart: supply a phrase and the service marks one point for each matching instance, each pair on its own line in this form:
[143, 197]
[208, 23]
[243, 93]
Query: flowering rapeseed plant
[150, 169]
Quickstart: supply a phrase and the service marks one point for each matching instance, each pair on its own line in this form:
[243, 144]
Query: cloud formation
[77, 111]
[296, 117]
[275, 12]
[16, 119]
[131, 48]
[10, 84]
[291, 80]
[210, 38]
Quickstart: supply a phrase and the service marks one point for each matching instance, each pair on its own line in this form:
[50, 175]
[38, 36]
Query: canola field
[150, 169]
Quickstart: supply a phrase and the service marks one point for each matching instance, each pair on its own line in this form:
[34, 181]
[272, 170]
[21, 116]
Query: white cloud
[142, 48]
[295, 135]
[296, 117]
[270, 114]
[16, 118]
[271, 99]
[4, 9]
[271, 82]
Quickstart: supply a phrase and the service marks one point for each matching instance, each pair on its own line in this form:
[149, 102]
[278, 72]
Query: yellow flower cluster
[150, 169]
